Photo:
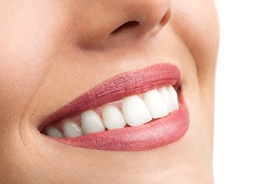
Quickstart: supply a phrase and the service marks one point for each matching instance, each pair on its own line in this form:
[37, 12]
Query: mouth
[133, 111]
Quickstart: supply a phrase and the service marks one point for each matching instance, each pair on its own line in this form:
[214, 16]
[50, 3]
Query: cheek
[196, 22]
[25, 54]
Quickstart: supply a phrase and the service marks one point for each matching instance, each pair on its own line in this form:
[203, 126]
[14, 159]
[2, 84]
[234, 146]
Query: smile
[133, 111]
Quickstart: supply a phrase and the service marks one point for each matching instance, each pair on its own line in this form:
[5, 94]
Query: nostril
[165, 19]
[127, 25]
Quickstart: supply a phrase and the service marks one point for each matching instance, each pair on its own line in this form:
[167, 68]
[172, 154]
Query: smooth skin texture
[55, 50]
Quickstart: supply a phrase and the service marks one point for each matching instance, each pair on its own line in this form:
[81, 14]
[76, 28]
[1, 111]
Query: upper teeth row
[135, 111]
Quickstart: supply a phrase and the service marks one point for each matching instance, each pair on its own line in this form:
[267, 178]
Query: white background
[247, 124]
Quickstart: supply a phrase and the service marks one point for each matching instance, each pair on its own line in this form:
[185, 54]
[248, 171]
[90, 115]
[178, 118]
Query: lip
[155, 134]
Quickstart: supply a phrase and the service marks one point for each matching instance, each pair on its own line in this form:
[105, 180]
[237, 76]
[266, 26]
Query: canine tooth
[113, 118]
[71, 129]
[167, 98]
[135, 111]
[91, 122]
[155, 104]
[174, 97]
[53, 132]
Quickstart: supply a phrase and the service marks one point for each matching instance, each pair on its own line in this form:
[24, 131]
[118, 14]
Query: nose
[111, 23]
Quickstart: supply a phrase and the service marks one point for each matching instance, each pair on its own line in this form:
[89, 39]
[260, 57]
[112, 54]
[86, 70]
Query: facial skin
[53, 51]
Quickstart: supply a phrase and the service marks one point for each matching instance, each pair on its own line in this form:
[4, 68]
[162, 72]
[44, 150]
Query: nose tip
[121, 22]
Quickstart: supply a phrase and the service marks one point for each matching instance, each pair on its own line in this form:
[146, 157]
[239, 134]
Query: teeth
[91, 122]
[135, 111]
[155, 104]
[113, 118]
[53, 132]
[174, 97]
[167, 98]
[71, 129]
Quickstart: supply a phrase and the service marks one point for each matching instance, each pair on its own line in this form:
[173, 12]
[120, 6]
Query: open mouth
[138, 110]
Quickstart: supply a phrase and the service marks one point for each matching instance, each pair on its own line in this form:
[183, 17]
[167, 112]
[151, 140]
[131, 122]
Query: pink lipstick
[157, 133]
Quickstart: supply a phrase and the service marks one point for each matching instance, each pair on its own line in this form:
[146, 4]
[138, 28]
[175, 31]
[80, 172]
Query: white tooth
[155, 104]
[71, 129]
[135, 111]
[167, 98]
[91, 122]
[53, 132]
[112, 117]
[174, 97]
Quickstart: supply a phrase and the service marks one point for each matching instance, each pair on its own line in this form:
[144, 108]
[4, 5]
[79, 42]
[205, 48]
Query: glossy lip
[155, 134]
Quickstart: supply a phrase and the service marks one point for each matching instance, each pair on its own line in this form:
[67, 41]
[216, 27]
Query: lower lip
[157, 133]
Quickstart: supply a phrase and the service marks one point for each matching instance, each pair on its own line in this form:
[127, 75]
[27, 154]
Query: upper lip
[118, 87]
